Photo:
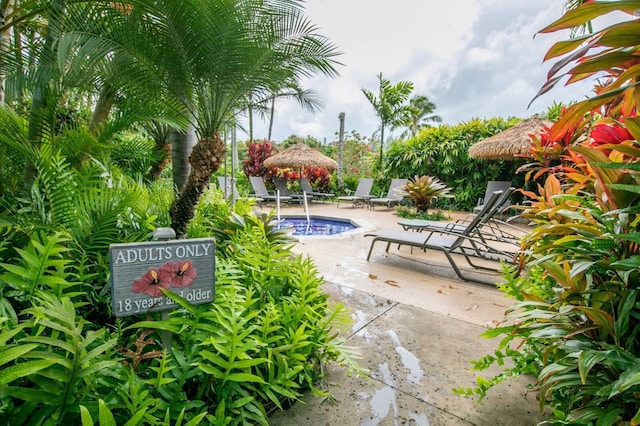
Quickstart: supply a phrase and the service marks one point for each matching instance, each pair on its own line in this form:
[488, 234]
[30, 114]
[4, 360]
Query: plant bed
[412, 213]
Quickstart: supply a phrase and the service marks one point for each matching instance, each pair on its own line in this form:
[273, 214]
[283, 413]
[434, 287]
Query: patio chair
[489, 228]
[493, 186]
[394, 196]
[260, 191]
[298, 197]
[361, 194]
[229, 188]
[464, 243]
[306, 186]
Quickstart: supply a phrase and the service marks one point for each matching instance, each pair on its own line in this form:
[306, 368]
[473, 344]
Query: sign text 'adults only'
[140, 270]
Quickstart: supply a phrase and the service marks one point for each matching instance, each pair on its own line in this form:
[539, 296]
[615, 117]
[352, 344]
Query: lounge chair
[493, 186]
[465, 243]
[306, 187]
[298, 197]
[229, 188]
[361, 194]
[260, 191]
[488, 228]
[394, 195]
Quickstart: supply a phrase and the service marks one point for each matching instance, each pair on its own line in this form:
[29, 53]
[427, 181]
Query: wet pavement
[416, 326]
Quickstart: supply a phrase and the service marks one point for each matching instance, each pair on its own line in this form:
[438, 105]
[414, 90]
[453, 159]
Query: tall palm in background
[308, 99]
[390, 105]
[421, 113]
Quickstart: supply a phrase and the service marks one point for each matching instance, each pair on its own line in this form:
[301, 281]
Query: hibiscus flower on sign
[152, 281]
[182, 273]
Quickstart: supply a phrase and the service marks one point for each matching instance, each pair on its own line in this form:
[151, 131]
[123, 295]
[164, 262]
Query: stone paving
[416, 327]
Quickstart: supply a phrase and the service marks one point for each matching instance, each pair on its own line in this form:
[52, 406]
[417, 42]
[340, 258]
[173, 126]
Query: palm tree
[390, 105]
[61, 46]
[308, 99]
[268, 44]
[196, 62]
[420, 115]
[6, 9]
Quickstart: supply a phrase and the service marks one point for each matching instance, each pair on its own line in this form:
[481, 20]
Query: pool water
[316, 226]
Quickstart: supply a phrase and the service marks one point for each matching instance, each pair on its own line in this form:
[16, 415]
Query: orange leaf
[588, 12]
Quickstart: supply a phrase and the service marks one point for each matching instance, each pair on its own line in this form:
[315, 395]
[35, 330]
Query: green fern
[75, 357]
[11, 350]
[55, 189]
[42, 265]
[106, 417]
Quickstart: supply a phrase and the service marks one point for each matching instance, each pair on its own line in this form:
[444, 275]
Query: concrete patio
[417, 327]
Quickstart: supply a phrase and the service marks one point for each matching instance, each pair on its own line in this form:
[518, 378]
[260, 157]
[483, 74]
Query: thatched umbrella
[300, 156]
[510, 143]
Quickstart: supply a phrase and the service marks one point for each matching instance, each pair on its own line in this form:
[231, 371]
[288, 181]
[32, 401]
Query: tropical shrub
[319, 178]
[134, 154]
[11, 160]
[577, 318]
[423, 189]
[265, 339]
[443, 151]
[407, 212]
[357, 157]
[257, 348]
[257, 152]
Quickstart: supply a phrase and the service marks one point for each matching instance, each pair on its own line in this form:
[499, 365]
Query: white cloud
[473, 58]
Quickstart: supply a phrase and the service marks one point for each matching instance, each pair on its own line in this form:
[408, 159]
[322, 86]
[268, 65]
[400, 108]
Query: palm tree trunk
[182, 143]
[381, 144]
[46, 63]
[5, 9]
[103, 107]
[250, 113]
[273, 103]
[207, 157]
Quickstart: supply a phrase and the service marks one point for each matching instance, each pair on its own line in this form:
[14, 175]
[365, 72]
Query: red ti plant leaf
[563, 47]
[604, 176]
[633, 126]
[588, 12]
[621, 35]
[603, 319]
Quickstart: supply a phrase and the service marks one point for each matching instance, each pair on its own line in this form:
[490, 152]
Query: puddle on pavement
[381, 402]
[409, 360]
[360, 320]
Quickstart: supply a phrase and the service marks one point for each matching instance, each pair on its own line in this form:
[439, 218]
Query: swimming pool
[316, 225]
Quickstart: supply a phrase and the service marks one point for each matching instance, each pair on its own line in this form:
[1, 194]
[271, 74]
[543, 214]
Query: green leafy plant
[407, 212]
[423, 189]
[577, 318]
[62, 359]
[268, 336]
[443, 151]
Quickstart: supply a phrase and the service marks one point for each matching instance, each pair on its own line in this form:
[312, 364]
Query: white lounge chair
[488, 228]
[394, 195]
[493, 186]
[361, 195]
[260, 191]
[229, 188]
[298, 197]
[306, 187]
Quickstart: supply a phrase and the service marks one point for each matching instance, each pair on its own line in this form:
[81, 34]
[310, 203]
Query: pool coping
[361, 226]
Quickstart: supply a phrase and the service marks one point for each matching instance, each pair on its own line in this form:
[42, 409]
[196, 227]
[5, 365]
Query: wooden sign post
[140, 270]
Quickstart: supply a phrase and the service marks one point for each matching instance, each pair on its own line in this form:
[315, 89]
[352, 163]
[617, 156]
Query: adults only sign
[140, 270]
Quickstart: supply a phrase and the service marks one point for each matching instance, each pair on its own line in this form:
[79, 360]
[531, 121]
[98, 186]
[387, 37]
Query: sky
[472, 58]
